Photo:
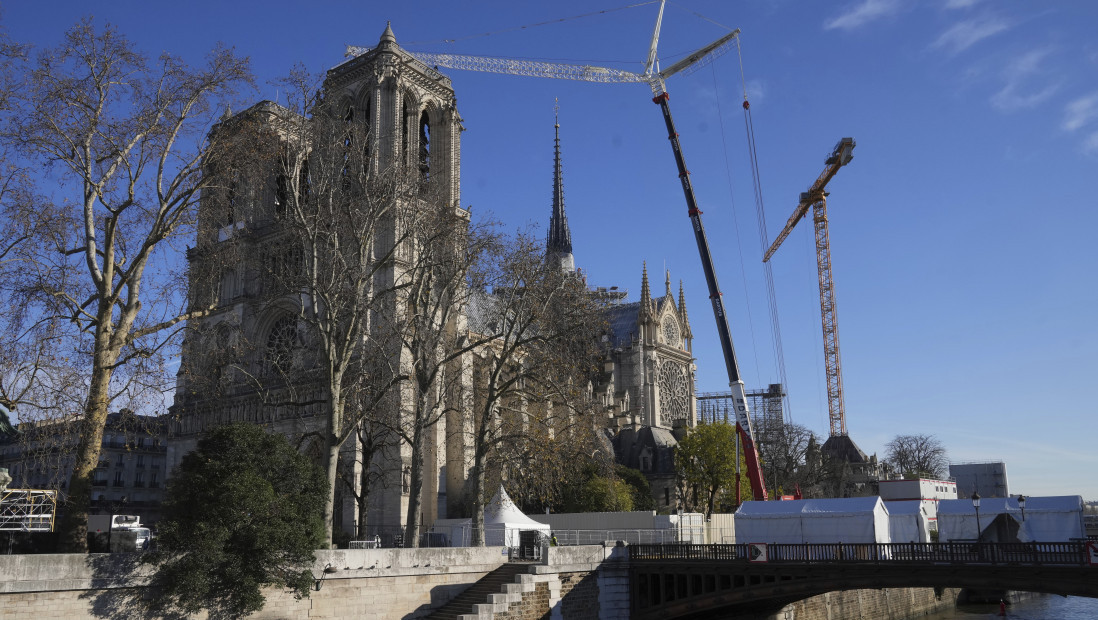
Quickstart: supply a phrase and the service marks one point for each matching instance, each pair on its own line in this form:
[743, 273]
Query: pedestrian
[553, 539]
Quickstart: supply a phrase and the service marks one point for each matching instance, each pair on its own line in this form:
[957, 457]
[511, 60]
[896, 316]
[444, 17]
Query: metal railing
[458, 536]
[1036, 553]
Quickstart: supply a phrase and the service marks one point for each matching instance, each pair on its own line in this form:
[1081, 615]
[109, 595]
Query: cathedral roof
[482, 312]
[623, 320]
[660, 442]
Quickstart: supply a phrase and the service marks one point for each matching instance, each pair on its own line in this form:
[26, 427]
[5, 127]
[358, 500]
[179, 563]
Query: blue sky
[960, 234]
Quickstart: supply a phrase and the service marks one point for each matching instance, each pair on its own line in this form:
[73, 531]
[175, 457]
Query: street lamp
[976, 505]
[1022, 505]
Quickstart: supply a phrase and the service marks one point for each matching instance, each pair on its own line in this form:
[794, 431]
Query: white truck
[118, 533]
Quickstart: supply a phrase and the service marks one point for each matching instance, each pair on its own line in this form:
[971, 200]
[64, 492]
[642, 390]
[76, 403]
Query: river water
[1043, 607]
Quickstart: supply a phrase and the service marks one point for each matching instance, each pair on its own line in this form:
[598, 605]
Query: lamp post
[1022, 505]
[976, 505]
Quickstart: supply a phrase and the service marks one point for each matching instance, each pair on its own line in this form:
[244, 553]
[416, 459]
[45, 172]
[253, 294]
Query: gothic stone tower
[412, 128]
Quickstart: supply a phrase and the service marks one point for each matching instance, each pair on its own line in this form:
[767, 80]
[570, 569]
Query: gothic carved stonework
[674, 383]
[671, 332]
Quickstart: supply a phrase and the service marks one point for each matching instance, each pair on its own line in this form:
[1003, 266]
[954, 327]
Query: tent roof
[995, 505]
[1054, 503]
[501, 510]
[905, 507]
[797, 507]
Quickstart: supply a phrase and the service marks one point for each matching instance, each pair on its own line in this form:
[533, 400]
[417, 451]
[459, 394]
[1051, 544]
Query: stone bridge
[697, 581]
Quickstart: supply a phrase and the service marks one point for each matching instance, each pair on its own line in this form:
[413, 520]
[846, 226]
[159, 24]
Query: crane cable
[760, 212]
[736, 224]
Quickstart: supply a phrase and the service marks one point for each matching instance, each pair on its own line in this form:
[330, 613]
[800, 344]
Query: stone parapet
[368, 583]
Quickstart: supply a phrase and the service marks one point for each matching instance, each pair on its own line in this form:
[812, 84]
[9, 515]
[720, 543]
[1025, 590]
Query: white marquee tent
[503, 522]
[845, 520]
[908, 521]
[1047, 519]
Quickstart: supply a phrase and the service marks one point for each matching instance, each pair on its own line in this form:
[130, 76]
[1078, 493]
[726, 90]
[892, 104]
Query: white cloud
[756, 91]
[964, 35]
[863, 13]
[1080, 112]
[1019, 92]
[960, 4]
[1090, 145]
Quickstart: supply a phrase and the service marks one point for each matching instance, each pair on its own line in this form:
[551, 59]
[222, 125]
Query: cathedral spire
[667, 285]
[558, 245]
[686, 333]
[646, 294]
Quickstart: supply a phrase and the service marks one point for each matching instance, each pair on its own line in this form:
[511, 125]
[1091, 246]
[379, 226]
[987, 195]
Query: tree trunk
[363, 503]
[329, 505]
[415, 486]
[477, 521]
[332, 460]
[73, 529]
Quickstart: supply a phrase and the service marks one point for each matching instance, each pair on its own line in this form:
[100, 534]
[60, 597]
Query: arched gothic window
[405, 137]
[281, 344]
[424, 146]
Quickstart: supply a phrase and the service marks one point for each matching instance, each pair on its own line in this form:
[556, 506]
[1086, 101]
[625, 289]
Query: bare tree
[341, 219]
[126, 136]
[917, 456]
[542, 327]
[362, 471]
[439, 263]
[553, 454]
[786, 460]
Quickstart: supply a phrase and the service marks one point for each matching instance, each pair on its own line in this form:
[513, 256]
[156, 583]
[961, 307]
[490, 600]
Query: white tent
[908, 521]
[845, 520]
[1053, 519]
[503, 522]
[1047, 519]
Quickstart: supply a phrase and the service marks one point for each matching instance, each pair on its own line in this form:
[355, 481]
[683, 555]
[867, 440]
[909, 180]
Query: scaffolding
[27, 510]
[767, 414]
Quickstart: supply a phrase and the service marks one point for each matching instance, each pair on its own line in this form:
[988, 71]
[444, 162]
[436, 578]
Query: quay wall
[369, 583]
[571, 583]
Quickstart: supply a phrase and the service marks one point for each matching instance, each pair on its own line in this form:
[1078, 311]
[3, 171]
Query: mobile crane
[655, 80]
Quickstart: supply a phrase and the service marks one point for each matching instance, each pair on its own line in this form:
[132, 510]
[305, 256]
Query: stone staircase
[480, 592]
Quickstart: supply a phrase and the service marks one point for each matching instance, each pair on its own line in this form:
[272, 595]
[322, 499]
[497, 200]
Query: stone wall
[574, 583]
[377, 584]
[890, 603]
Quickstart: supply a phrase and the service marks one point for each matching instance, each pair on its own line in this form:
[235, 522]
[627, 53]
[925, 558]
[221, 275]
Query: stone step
[480, 593]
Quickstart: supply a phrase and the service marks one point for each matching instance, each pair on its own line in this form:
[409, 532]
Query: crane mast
[735, 383]
[816, 198]
[655, 80]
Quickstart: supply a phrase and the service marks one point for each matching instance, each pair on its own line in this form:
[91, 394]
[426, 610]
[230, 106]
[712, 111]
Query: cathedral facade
[248, 360]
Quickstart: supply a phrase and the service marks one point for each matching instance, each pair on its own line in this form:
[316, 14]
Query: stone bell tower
[413, 127]
[410, 112]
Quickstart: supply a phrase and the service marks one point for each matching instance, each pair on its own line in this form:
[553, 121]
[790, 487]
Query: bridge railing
[954, 552]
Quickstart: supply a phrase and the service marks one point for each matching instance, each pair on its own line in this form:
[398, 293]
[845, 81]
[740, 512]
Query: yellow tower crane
[816, 198]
